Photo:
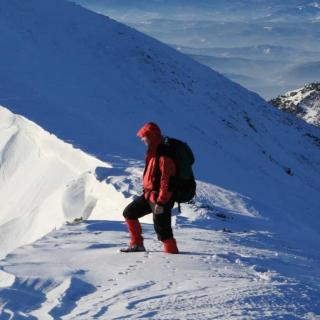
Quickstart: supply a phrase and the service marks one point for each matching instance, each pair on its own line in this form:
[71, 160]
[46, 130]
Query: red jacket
[166, 165]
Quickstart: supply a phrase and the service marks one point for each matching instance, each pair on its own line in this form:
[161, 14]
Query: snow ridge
[35, 170]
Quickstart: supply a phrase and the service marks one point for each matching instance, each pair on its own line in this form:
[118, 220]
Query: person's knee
[136, 209]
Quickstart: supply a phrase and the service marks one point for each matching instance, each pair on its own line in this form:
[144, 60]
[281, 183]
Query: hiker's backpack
[184, 184]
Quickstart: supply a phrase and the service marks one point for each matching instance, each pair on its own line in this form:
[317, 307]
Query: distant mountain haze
[284, 32]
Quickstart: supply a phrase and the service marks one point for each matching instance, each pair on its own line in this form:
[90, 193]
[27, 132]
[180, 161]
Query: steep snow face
[44, 182]
[303, 102]
[94, 82]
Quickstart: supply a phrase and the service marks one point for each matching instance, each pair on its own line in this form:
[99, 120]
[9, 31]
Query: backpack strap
[157, 176]
[162, 150]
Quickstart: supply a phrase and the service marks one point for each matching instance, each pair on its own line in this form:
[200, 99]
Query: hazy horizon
[269, 47]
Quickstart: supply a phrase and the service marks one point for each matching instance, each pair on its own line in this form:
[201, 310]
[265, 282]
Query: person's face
[146, 140]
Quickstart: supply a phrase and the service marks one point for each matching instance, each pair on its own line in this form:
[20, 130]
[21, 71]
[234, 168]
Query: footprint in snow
[140, 261]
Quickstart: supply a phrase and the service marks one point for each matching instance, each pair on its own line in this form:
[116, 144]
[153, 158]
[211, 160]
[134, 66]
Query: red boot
[170, 246]
[135, 231]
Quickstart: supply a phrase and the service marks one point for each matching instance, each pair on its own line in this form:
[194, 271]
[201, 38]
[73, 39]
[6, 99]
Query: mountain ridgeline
[303, 103]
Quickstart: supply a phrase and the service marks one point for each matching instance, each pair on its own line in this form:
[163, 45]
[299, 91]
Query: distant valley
[271, 46]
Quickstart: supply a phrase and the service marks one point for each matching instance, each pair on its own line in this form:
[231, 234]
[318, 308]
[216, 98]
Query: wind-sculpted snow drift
[94, 82]
[44, 182]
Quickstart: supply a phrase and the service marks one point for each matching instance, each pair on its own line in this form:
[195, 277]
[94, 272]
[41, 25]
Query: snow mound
[44, 182]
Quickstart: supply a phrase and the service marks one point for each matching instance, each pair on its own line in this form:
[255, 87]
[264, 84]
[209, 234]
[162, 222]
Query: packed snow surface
[78, 273]
[250, 239]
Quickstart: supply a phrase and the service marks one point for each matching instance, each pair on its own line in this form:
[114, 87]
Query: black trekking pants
[140, 207]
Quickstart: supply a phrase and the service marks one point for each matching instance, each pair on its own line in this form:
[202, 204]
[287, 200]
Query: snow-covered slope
[94, 82]
[234, 263]
[221, 29]
[303, 103]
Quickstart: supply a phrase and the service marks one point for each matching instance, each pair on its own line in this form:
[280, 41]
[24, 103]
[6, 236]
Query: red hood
[153, 132]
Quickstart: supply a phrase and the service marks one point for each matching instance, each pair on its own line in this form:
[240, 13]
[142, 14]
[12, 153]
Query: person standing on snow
[155, 199]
